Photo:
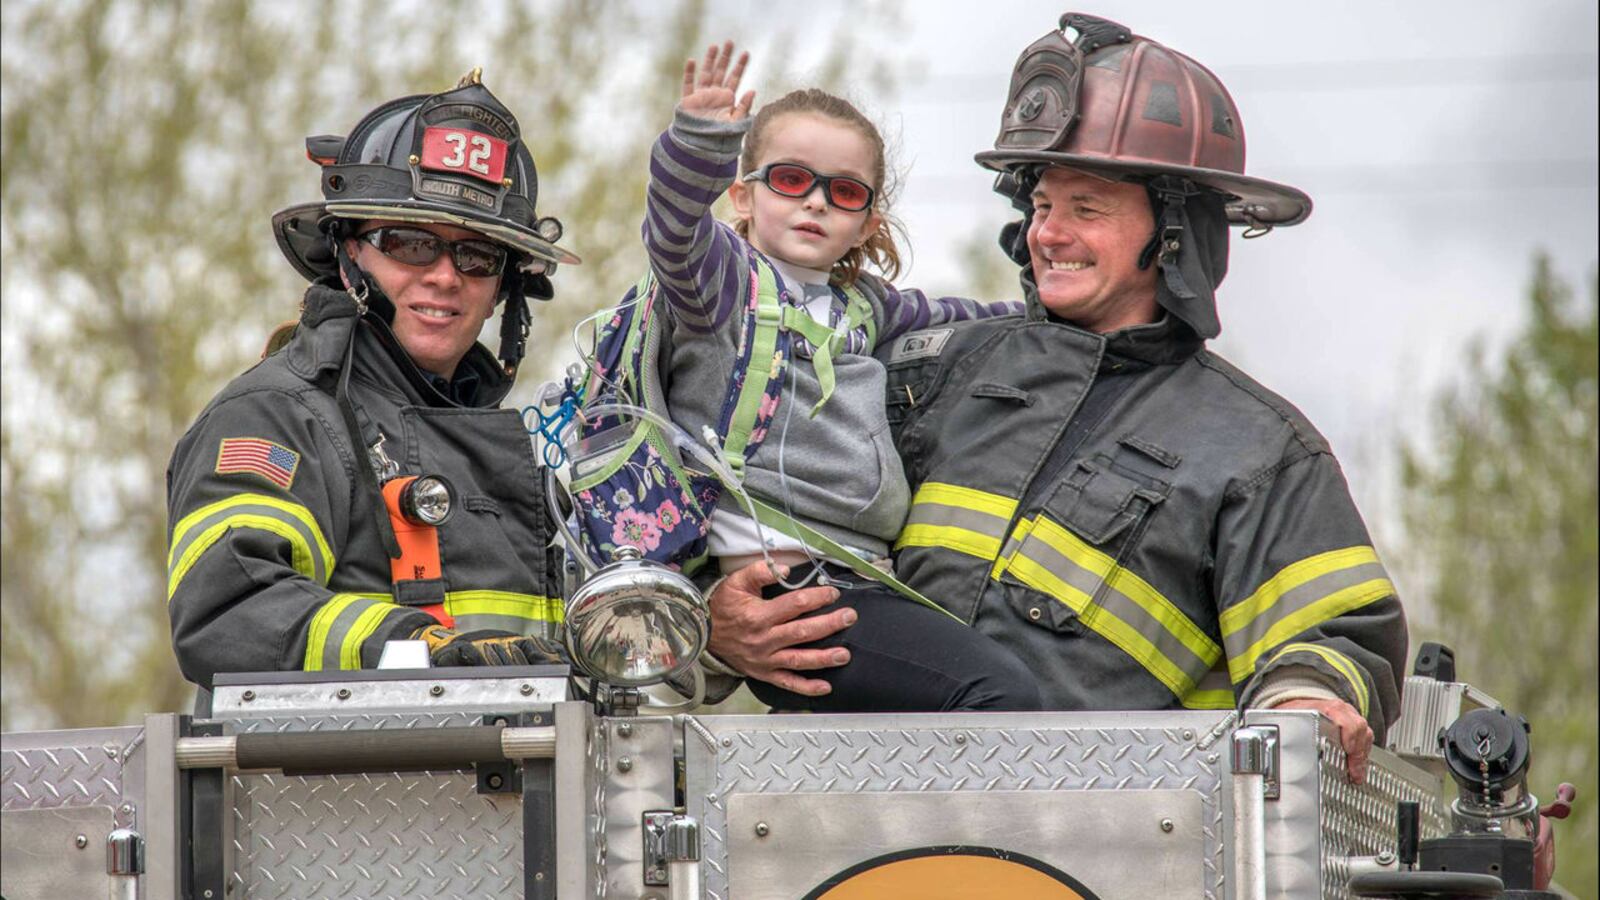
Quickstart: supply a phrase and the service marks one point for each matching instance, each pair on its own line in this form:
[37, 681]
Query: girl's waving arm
[699, 262]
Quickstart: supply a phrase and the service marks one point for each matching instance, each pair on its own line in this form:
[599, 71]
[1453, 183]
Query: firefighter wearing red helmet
[1134, 517]
[361, 483]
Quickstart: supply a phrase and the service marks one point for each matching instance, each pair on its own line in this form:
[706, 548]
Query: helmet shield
[454, 158]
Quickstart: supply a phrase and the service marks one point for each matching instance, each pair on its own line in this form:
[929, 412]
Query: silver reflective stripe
[512, 624]
[1041, 562]
[1281, 616]
[957, 518]
[339, 629]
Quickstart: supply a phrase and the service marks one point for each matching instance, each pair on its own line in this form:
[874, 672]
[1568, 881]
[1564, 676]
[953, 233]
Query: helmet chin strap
[363, 290]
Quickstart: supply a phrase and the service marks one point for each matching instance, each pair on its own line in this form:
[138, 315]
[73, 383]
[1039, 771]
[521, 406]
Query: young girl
[809, 198]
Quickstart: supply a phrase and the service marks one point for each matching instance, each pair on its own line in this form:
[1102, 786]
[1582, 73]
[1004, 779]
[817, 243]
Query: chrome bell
[636, 622]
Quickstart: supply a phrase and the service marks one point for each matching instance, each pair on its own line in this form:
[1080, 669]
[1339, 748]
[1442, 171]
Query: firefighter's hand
[1355, 735]
[1544, 848]
[757, 637]
[487, 648]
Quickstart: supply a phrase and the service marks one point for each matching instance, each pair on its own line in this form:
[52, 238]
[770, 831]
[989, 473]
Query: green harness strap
[759, 371]
[777, 520]
[827, 341]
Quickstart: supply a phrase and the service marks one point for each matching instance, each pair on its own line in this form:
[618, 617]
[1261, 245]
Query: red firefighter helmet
[1092, 95]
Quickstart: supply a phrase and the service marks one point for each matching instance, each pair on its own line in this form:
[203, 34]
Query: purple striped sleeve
[696, 258]
[910, 310]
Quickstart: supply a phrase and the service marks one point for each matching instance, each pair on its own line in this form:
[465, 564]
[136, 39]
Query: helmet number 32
[475, 160]
[464, 152]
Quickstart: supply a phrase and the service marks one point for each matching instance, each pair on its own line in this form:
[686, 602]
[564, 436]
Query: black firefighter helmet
[453, 158]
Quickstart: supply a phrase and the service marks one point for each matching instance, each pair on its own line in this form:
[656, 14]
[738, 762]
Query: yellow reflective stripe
[287, 520]
[963, 519]
[1130, 585]
[966, 498]
[1292, 576]
[365, 625]
[1331, 606]
[1342, 664]
[1113, 629]
[958, 539]
[504, 603]
[1024, 528]
[317, 634]
[1209, 700]
[1213, 692]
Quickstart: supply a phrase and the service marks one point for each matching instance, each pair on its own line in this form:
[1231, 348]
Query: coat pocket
[1100, 501]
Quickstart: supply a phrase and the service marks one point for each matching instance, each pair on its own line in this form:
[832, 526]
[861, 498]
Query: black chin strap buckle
[1174, 193]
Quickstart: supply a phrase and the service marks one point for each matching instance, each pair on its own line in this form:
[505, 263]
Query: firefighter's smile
[1072, 266]
[435, 312]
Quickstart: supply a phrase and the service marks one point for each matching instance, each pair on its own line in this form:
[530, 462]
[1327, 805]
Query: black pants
[905, 657]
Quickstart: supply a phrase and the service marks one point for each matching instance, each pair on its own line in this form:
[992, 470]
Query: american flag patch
[274, 462]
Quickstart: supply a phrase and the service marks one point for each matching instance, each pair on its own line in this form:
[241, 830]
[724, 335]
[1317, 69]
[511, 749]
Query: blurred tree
[144, 145]
[1500, 514]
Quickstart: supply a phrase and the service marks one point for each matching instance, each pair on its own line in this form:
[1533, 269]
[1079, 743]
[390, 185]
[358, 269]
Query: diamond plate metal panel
[395, 835]
[732, 755]
[1360, 820]
[80, 767]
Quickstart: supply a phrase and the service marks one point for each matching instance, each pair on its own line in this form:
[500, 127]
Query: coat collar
[317, 351]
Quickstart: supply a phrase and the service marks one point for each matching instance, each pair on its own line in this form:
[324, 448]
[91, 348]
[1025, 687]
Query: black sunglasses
[416, 247]
[795, 180]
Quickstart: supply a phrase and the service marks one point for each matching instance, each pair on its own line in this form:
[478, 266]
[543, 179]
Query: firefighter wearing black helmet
[1138, 520]
[361, 484]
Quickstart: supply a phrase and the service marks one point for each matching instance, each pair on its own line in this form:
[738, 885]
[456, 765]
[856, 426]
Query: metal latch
[124, 852]
[668, 838]
[1255, 751]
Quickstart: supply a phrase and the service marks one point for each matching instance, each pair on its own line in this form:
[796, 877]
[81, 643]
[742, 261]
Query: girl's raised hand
[712, 91]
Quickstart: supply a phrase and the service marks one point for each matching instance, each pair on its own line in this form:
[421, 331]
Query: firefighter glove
[487, 648]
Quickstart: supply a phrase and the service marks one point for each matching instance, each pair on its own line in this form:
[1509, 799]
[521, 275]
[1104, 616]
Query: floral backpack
[631, 484]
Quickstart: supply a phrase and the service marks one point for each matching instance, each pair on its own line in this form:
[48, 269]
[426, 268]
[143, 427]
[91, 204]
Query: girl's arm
[700, 262]
[910, 309]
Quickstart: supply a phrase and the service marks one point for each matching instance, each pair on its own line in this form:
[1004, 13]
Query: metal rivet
[727, 742]
[127, 808]
[494, 781]
[625, 729]
[711, 798]
[437, 690]
[1386, 858]
[527, 689]
[538, 876]
[207, 893]
[762, 830]
[1035, 613]
[1166, 825]
[961, 739]
[1211, 758]
[344, 694]
[1188, 735]
[111, 751]
[81, 840]
[1173, 245]
[625, 764]
[415, 159]
[247, 696]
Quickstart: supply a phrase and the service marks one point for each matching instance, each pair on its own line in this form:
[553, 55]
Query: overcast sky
[1442, 142]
